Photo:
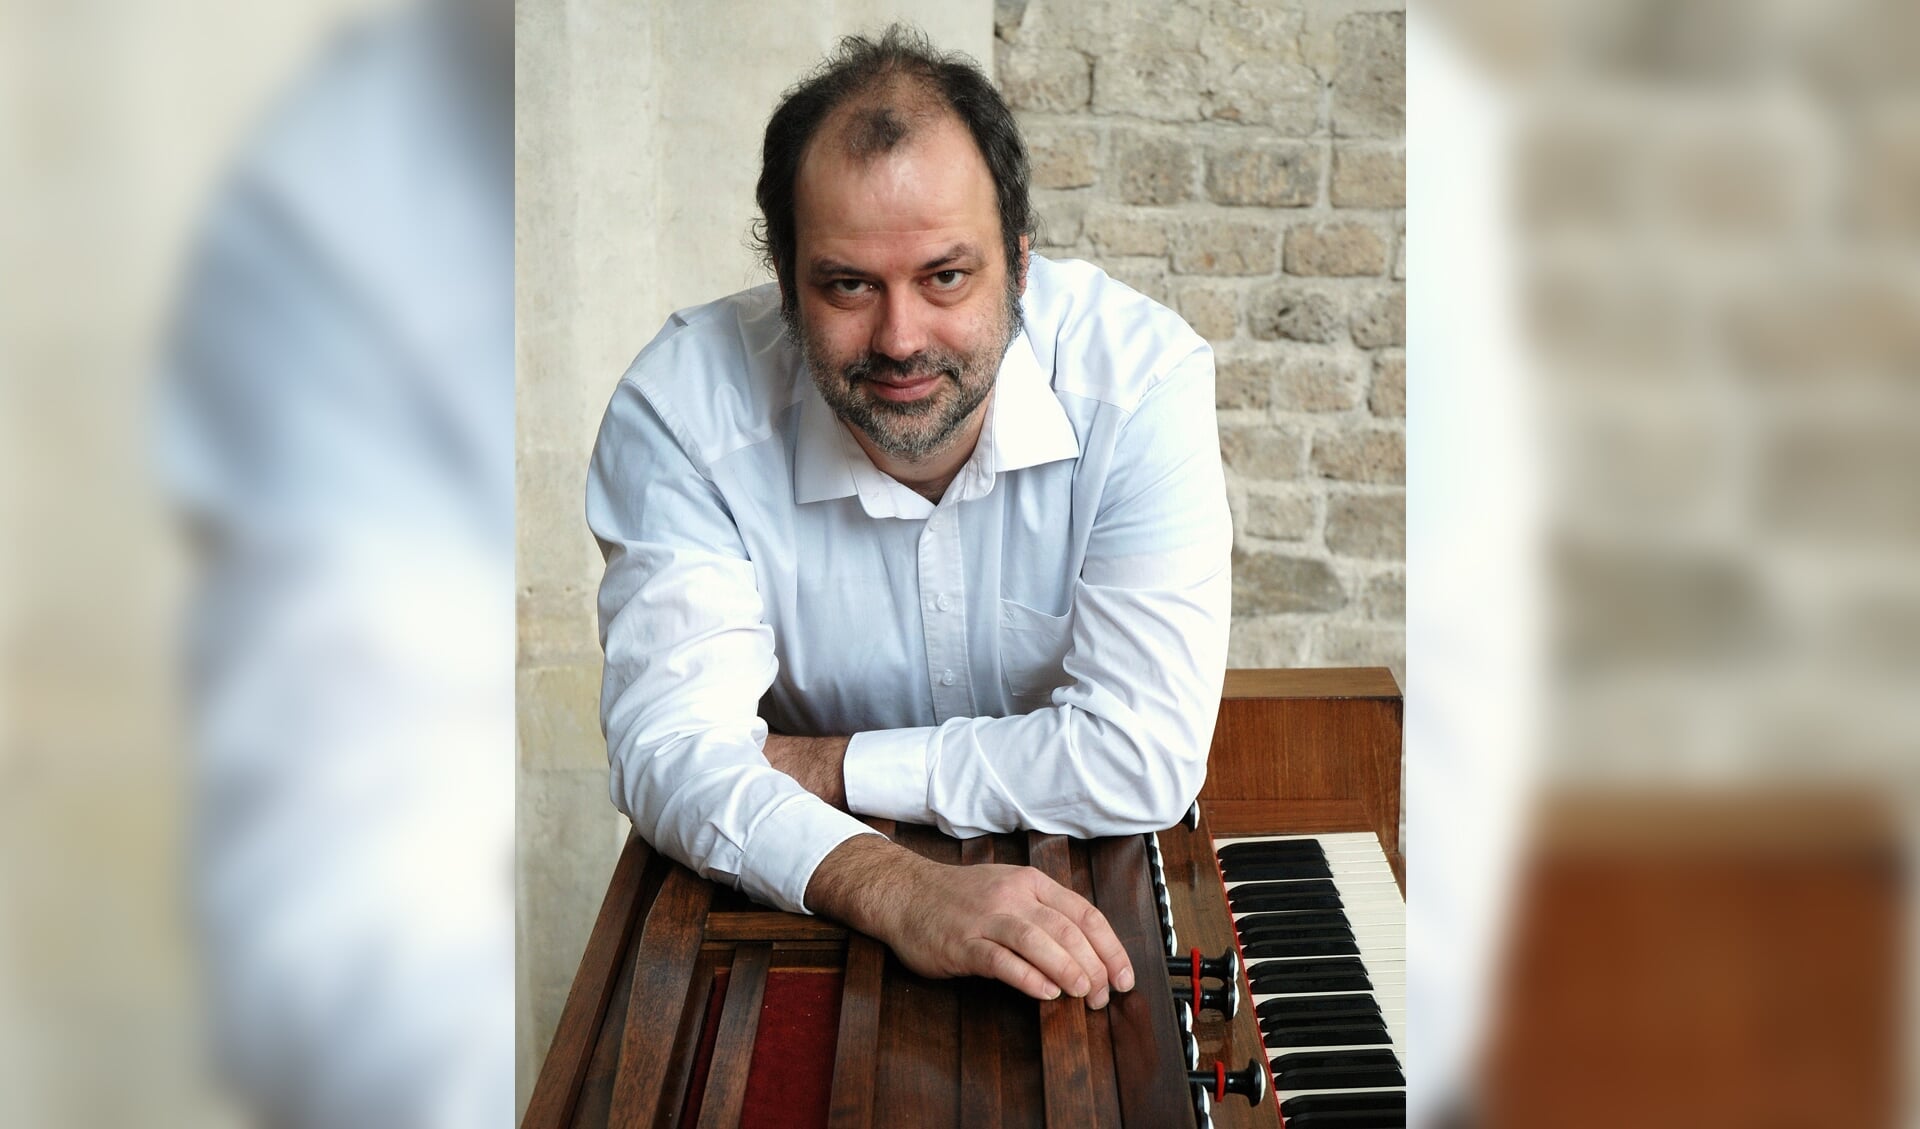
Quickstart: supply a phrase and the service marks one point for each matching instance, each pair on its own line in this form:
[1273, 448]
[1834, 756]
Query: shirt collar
[1025, 427]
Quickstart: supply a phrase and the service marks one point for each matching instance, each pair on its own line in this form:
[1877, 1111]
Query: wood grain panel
[571, 1052]
[770, 925]
[669, 944]
[1203, 920]
[980, 1099]
[596, 1092]
[1307, 739]
[1320, 682]
[1100, 1053]
[1145, 1038]
[726, 1093]
[859, 1039]
[1064, 1058]
[917, 1080]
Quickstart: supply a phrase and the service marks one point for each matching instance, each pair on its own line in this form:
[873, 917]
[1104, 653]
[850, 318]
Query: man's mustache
[875, 365]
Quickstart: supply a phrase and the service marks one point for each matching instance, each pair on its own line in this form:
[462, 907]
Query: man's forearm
[818, 763]
[859, 882]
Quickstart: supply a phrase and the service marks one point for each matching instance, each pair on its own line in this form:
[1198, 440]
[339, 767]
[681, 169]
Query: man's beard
[913, 430]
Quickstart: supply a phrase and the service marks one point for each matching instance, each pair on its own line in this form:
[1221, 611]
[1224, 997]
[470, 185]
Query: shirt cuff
[788, 846]
[886, 773]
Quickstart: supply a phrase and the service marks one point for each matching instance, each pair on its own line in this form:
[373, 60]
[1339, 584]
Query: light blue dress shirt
[1043, 649]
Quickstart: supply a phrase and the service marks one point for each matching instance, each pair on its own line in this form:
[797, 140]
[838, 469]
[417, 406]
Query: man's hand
[818, 763]
[1011, 923]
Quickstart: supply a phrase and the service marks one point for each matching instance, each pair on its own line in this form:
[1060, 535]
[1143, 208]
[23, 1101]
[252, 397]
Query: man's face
[903, 305]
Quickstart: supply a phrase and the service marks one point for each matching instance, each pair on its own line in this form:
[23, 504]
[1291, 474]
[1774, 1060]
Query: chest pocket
[1033, 649]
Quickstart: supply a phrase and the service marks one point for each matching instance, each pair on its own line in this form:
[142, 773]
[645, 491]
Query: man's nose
[902, 330]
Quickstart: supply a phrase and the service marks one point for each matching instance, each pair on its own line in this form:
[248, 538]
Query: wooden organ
[693, 1007]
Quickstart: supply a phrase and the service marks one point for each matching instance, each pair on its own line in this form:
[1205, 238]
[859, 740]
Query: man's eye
[846, 287]
[948, 279]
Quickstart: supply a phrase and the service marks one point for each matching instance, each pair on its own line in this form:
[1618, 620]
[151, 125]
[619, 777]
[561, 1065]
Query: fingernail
[1080, 986]
[1099, 1001]
[1053, 991]
[1124, 981]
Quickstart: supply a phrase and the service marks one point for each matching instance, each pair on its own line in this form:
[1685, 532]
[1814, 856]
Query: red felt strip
[790, 1084]
[703, 1052]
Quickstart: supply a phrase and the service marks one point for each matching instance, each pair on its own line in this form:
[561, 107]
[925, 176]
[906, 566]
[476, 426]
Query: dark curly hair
[862, 66]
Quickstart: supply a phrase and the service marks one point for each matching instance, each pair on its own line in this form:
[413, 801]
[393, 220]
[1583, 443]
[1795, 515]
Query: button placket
[943, 588]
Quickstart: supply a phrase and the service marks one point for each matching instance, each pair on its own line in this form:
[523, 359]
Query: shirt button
[946, 678]
[944, 604]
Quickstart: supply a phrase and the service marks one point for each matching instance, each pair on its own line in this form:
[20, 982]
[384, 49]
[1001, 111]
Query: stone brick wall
[1245, 164]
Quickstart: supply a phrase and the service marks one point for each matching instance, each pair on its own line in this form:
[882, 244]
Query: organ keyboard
[1275, 912]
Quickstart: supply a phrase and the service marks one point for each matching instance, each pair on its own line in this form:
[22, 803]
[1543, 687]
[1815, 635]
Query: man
[934, 530]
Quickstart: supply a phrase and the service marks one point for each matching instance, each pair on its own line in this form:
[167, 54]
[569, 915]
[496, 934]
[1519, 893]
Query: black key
[1297, 977]
[1288, 849]
[1280, 903]
[1279, 931]
[1286, 948]
[1274, 870]
[1318, 1007]
[1322, 1019]
[1357, 1119]
[1300, 1060]
[1282, 968]
[1311, 985]
[1342, 1078]
[1392, 1101]
[1298, 917]
[1328, 1036]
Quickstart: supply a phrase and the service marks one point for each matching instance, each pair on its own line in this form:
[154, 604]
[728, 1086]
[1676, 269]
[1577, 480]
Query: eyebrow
[834, 268]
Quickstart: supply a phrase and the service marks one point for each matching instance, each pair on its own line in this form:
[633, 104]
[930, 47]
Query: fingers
[1074, 941]
[1034, 944]
[986, 958]
[1091, 925]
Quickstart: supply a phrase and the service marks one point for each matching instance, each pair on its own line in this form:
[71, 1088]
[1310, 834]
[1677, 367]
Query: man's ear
[1026, 249]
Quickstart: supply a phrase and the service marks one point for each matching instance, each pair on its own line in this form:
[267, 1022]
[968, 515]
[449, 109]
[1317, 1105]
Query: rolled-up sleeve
[1122, 745]
[688, 657]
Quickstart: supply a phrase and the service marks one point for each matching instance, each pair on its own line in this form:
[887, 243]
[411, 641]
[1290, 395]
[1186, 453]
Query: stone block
[1370, 82]
[1385, 597]
[1343, 644]
[1211, 308]
[1222, 246]
[1062, 218]
[1368, 525]
[558, 555]
[1335, 250]
[1242, 382]
[1888, 177]
[1400, 255]
[1316, 384]
[1381, 319]
[1239, 33]
[1281, 583]
[557, 628]
[1063, 158]
[1268, 642]
[1295, 313]
[1126, 231]
[1280, 517]
[1281, 96]
[1286, 175]
[1368, 176]
[1052, 80]
[1388, 396]
[1261, 452]
[1161, 86]
[1151, 168]
[557, 716]
[1372, 455]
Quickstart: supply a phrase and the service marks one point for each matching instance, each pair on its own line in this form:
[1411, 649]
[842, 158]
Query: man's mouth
[905, 389]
